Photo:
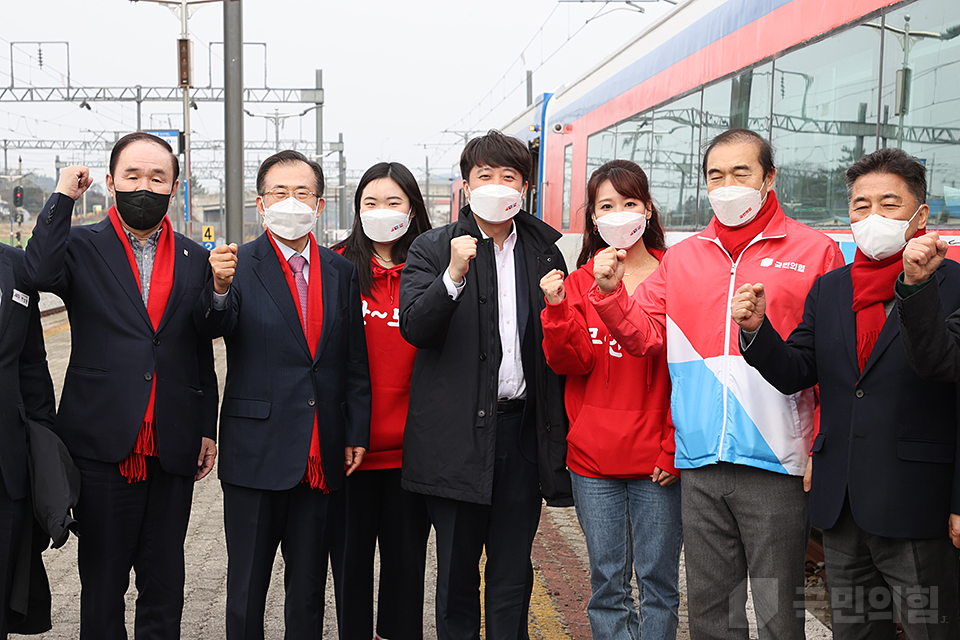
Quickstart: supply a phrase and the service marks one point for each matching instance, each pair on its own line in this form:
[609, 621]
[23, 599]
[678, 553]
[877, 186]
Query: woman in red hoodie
[389, 214]
[620, 445]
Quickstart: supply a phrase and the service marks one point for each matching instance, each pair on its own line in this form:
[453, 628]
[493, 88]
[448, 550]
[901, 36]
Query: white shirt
[220, 299]
[511, 383]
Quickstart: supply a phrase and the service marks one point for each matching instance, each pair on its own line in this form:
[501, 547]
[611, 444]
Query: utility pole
[344, 221]
[19, 207]
[233, 117]
[186, 81]
[319, 115]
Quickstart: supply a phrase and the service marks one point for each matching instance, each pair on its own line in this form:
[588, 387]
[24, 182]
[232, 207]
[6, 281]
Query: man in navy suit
[886, 478]
[296, 407]
[26, 391]
[139, 401]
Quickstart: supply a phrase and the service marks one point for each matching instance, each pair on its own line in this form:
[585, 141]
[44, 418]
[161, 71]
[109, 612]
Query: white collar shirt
[511, 384]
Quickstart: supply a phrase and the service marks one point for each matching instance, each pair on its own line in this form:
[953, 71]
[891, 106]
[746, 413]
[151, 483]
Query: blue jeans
[631, 522]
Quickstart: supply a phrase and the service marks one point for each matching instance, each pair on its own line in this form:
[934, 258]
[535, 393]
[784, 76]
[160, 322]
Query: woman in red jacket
[389, 214]
[620, 444]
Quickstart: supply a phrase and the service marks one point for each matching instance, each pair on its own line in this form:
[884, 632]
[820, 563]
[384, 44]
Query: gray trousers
[740, 521]
[874, 580]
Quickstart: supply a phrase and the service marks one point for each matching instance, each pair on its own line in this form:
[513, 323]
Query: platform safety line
[545, 616]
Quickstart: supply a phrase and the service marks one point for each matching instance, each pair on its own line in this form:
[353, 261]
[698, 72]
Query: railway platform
[558, 606]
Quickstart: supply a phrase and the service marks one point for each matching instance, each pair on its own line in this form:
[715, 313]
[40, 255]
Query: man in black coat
[26, 391]
[138, 411]
[886, 478]
[486, 430]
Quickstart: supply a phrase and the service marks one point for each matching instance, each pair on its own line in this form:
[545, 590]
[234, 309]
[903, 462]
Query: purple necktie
[297, 262]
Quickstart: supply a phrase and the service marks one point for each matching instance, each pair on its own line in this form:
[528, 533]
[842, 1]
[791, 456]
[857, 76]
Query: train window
[824, 118]
[633, 139]
[674, 171]
[741, 102]
[567, 180]
[601, 148]
[920, 95]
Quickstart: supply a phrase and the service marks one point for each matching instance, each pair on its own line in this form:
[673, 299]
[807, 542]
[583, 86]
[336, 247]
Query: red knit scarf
[736, 239]
[873, 282]
[312, 328]
[134, 468]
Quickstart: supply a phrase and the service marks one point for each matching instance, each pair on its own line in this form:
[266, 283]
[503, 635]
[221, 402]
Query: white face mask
[735, 206]
[384, 225]
[622, 229]
[290, 219]
[878, 237]
[495, 203]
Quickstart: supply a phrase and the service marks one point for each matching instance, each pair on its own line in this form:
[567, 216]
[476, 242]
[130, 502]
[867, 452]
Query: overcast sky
[396, 74]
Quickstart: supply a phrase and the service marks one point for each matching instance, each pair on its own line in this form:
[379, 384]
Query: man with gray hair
[885, 479]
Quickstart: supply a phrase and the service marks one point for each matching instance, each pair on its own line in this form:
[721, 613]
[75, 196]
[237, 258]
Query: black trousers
[876, 580]
[12, 514]
[256, 522]
[379, 513]
[139, 525]
[506, 528]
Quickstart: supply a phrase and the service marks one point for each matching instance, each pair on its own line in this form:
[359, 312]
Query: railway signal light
[18, 196]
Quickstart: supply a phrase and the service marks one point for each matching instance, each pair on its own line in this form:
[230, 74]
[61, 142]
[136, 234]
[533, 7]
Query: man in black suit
[485, 439]
[886, 478]
[139, 401]
[296, 407]
[26, 391]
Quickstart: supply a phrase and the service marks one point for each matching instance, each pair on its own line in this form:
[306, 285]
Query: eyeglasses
[303, 195]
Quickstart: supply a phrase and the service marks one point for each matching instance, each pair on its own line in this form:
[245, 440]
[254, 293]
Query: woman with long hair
[620, 444]
[389, 214]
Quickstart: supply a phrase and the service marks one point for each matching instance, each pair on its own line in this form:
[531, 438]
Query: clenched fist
[74, 181]
[552, 287]
[463, 249]
[749, 306]
[608, 268]
[922, 256]
[223, 263]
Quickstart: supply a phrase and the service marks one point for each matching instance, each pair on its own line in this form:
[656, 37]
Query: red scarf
[314, 325]
[134, 468]
[873, 282]
[736, 239]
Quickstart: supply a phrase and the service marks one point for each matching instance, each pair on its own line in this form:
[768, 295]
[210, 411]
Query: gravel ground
[558, 606]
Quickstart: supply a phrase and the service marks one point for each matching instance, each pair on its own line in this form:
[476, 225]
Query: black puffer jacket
[450, 436]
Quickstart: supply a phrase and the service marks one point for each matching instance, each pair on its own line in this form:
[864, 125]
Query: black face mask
[142, 209]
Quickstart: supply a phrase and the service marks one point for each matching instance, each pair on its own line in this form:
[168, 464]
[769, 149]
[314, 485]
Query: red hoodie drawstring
[393, 283]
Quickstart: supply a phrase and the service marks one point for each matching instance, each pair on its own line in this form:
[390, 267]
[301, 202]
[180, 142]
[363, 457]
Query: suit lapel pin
[186, 253]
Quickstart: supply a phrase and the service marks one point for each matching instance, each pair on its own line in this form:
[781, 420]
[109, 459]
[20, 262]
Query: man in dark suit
[485, 439]
[296, 407]
[886, 478]
[139, 401]
[26, 391]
